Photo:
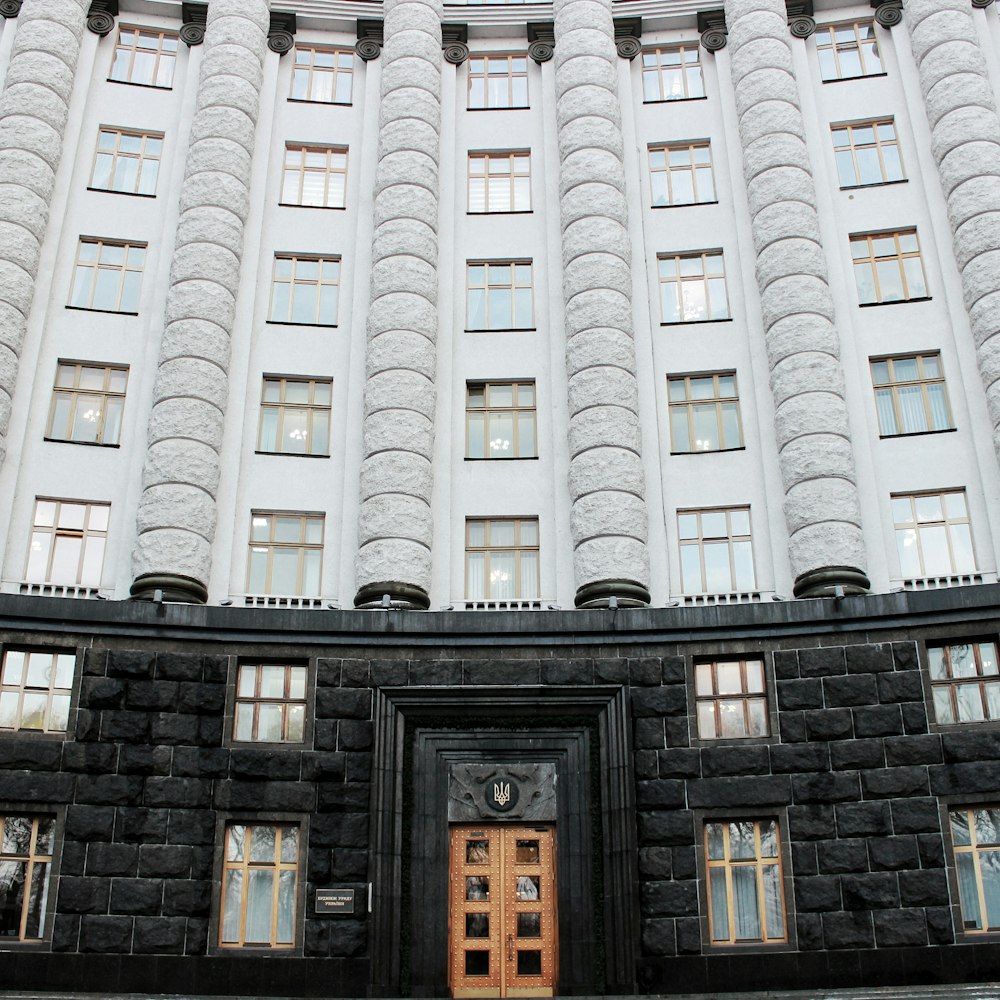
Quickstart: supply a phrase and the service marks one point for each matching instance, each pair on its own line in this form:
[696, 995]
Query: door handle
[510, 947]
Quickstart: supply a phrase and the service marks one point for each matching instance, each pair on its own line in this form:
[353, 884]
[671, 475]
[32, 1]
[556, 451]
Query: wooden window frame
[512, 176]
[680, 282]
[826, 40]
[107, 395]
[54, 532]
[690, 405]
[973, 849]
[92, 268]
[923, 381]
[490, 286]
[871, 260]
[945, 683]
[947, 522]
[878, 144]
[314, 412]
[651, 65]
[29, 859]
[745, 697]
[730, 539]
[143, 158]
[669, 170]
[161, 53]
[331, 171]
[271, 545]
[287, 701]
[518, 548]
[312, 72]
[486, 75]
[61, 661]
[294, 281]
[515, 410]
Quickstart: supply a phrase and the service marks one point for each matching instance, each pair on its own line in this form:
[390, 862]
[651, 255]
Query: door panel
[502, 920]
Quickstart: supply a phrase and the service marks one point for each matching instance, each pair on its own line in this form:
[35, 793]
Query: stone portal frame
[419, 733]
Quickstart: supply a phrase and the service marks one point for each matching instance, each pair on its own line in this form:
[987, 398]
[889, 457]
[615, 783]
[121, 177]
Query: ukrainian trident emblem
[501, 794]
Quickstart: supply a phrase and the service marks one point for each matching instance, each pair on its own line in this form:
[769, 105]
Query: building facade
[500, 499]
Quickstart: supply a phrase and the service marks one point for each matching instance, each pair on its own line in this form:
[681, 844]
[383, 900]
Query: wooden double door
[502, 911]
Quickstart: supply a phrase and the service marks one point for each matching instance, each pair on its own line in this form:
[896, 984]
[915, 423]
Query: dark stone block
[191, 826]
[721, 761]
[160, 935]
[931, 847]
[659, 701]
[265, 765]
[849, 691]
[161, 861]
[658, 937]
[838, 857]
[201, 863]
[101, 692]
[215, 669]
[512, 672]
[893, 854]
[87, 823]
[869, 658]
[436, 673]
[940, 929]
[84, 895]
[848, 930]
[878, 720]
[30, 754]
[198, 762]
[343, 703]
[685, 863]
[809, 931]
[177, 667]
[358, 767]
[348, 939]
[915, 816]
[109, 789]
[902, 928]
[962, 779]
[645, 671]
[325, 734]
[900, 687]
[209, 731]
[355, 735]
[792, 726]
[340, 797]
[280, 796]
[126, 727]
[863, 819]
[186, 898]
[810, 822]
[152, 696]
[786, 664]
[893, 782]
[141, 825]
[674, 670]
[904, 655]
[678, 734]
[178, 793]
[196, 939]
[822, 661]
[66, 932]
[671, 899]
[837, 786]
[106, 934]
[112, 859]
[88, 725]
[323, 766]
[144, 760]
[830, 724]
[971, 745]
[647, 734]
[804, 859]
[201, 699]
[688, 936]
[137, 895]
[339, 830]
[349, 864]
[644, 764]
[611, 671]
[48, 787]
[810, 757]
[130, 663]
[677, 762]
[851, 755]
[88, 757]
[390, 673]
[904, 750]
[660, 794]
[174, 729]
[757, 790]
[74, 858]
[815, 893]
[875, 890]
[800, 694]
[95, 662]
[344, 673]
[568, 671]
[914, 717]
[319, 867]
[666, 828]
[924, 888]
[317, 938]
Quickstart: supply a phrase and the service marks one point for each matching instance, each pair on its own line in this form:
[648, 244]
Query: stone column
[394, 523]
[177, 513]
[965, 141]
[34, 107]
[822, 509]
[606, 482]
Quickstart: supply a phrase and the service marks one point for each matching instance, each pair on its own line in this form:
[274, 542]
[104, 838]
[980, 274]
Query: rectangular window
[730, 699]
[848, 50]
[867, 153]
[975, 837]
[500, 420]
[693, 287]
[314, 176]
[499, 182]
[887, 267]
[672, 74]
[259, 886]
[965, 682]
[745, 894]
[704, 413]
[144, 57]
[127, 162]
[304, 290]
[87, 403]
[107, 275]
[681, 174]
[501, 559]
[716, 550]
[270, 703]
[35, 690]
[322, 75]
[67, 542]
[286, 554]
[498, 81]
[910, 394]
[933, 534]
[295, 416]
[26, 850]
[499, 295]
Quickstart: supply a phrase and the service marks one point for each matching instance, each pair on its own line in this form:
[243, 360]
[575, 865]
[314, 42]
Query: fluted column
[34, 107]
[394, 524]
[607, 486]
[816, 459]
[177, 510]
[965, 141]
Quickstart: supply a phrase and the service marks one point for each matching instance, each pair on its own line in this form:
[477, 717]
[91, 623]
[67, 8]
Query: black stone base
[405, 596]
[627, 593]
[184, 589]
[823, 582]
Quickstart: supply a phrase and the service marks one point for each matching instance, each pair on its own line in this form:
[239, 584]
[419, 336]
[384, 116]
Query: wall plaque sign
[336, 901]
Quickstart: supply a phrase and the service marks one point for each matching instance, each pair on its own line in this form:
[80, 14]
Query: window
[260, 886]
[975, 837]
[87, 403]
[716, 550]
[500, 420]
[107, 276]
[322, 75]
[286, 554]
[501, 559]
[693, 287]
[745, 895]
[681, 174]
[848, 50]
[730, 699]
[499, 295]
[965, 682]
[314, 176]
[498, 82]
[933, 534]
[910, 394]
[304, 290]
[26, 849]
[499, 182]
[704, 413]
[127, 162]
[295, 416]
[887, 267]
[35, 690]
[144, 57]
[270, 703]
[67, 542]
[867, 153]
[672, 74]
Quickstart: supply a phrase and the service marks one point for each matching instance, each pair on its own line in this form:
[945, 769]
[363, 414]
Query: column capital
[888, 13]
[801, 23]
[453, 43]
[541, 41]
[101, 16]
[370, 40]
[281, 31]
[982, 3]
[10, 8]
[193, 17]
[714, 33]
[628, 31]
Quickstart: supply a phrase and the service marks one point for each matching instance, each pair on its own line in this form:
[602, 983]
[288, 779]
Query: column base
[824, 581]
[412, 597]
[598, 594]
[184, 589]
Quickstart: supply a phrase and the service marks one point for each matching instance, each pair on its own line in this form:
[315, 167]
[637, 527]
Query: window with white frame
[501, 559]
[498, 81]
[36, 687]
[933, 534]
[286, 553]
[27, 846]
[847, 51]
[910, 394]
[304, 290]
[87, 403]
[67, 542]
[499, 295]
[692, 287]
[681, 174]
[107, 275]
[730, 699]
[500, 420]
[499, 182]
[144, 56]
[314, 176]
[126, 162]
[295, 415]
[965, 682]
[325, 76]
[867, 153]
[672, 74]
[716, 550]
